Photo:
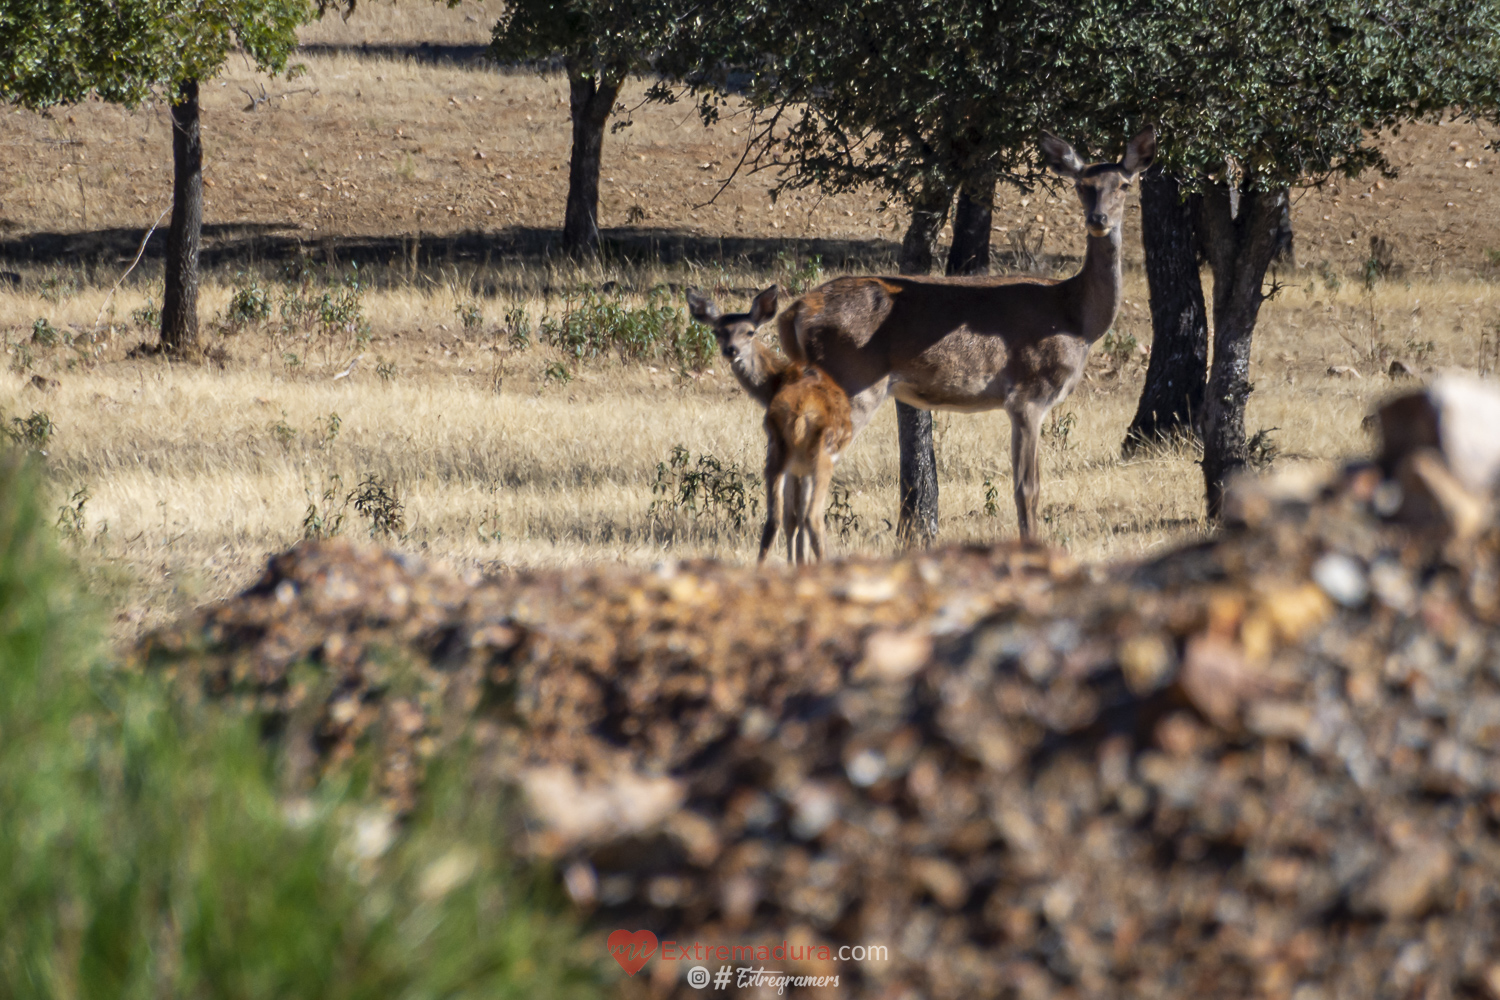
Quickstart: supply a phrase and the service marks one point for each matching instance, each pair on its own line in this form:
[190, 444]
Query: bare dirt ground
[443, 178]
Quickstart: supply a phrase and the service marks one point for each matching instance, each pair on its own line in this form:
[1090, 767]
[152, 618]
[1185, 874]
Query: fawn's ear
[1059, 156]
[702, 308]
[764, 306]
[1139, 152]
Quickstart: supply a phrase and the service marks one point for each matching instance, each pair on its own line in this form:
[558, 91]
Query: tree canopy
[63, 51]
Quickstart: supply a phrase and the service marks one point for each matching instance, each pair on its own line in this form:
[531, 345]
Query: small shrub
[330, 430]
[70, 516]
[147, 317]
[377, 502]
[291, 359]
[1380, 264]
[249, 306]
[31, 433]
[1060, 428]
[283, 433]
[991, 499]
[557, 372]
[517, 329]
[1262, 451]
[595, 325]
[1331, 279]
[44, 333]
[385, 369]
[470, 315]
[488, 528]
[840, 515]
[798, 278]
[24, 358]
[325, 519]
[706, 489]
[1121, 348]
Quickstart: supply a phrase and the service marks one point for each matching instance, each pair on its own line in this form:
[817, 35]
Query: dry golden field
[443, 181]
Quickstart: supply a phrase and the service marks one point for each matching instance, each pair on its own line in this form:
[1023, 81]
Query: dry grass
[194, 474]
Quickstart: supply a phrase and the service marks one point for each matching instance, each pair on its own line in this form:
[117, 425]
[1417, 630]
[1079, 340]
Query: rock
[1400, 369]
[1266, 764]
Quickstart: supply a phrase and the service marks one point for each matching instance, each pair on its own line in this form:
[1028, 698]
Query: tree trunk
[179, 307]
[970, 253]
[917, 523]
[929, 210]
[1239, 246]
[593, 98]
[1172, 399]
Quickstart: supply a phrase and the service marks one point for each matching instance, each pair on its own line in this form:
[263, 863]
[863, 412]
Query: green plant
[1419, 350]
[518, 328]
[595, 325]
[840, 514]
[1331, 279]
[385, 369]
[283, 433]
[24, 357]
[147, 848]
[250, 305]
[32, 432]
[991, 499]
[706, 489]
[470, 314]
[488, 527]
[1262, 449]
[291, 359]
[557, 372]
[1380, 264]
[330, 430]
[1121, 348]
[798, 278]
[377, 502]
[44, 333]
[325, 519]
[148, 316]
[70, 516]
[1060, 428]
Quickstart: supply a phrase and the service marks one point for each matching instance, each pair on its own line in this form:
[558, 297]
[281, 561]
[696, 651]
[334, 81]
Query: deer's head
[1102, 187]
[734, 331]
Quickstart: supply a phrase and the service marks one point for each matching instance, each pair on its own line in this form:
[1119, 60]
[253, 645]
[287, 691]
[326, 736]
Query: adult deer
[971, 344]
[808, 423]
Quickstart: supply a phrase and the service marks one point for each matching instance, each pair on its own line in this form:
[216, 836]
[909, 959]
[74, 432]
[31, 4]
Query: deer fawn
[808, 423]
[971, 344]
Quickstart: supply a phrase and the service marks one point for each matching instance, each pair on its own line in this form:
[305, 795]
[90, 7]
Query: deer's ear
[1139, 152]
[1059, 156]
[702, 308]
[764, 306]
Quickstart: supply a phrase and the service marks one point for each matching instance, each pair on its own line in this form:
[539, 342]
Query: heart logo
[631, 949]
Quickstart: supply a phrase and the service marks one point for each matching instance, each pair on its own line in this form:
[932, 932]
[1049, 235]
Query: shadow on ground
[249, 244]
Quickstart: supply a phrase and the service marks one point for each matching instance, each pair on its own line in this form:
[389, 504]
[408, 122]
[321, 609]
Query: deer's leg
[775, 465]
[1025, 436]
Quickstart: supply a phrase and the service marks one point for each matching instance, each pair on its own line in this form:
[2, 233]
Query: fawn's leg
[775, 463]
[818, 503]
[789, 520]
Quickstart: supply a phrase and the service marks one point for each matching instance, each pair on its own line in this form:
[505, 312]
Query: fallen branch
[139, 251]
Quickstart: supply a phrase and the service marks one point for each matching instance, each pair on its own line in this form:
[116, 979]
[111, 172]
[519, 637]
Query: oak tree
[128, 51]
[599, 43]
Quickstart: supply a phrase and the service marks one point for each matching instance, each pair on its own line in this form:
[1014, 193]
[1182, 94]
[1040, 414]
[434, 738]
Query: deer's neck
[1097, 287]
[759, 371]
